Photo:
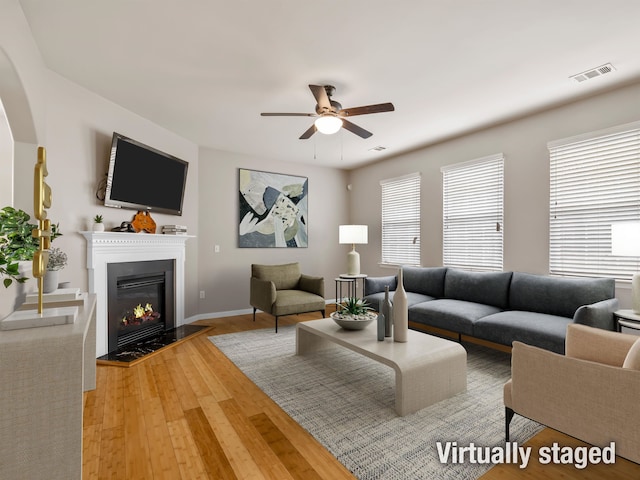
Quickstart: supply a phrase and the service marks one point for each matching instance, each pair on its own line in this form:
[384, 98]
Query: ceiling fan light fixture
[328, 124]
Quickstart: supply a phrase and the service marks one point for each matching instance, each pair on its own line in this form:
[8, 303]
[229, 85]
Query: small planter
[351, 322]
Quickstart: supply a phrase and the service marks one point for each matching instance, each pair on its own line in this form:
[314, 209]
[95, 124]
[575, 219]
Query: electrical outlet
[216, 248]
[201, 293]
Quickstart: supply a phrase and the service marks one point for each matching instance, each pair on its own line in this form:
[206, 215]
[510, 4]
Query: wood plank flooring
[188, 413]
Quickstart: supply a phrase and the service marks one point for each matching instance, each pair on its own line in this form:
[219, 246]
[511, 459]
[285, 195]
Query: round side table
[627, 319]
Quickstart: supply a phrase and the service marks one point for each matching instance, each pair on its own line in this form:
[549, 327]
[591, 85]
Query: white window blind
[473, 214]
[594, 182]
[401, 220]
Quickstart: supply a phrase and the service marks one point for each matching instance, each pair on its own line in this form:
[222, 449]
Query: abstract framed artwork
[273, 210]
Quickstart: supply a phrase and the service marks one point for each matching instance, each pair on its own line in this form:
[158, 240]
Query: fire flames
[139, 315]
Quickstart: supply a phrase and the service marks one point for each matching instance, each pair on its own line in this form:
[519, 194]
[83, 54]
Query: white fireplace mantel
[104, 248]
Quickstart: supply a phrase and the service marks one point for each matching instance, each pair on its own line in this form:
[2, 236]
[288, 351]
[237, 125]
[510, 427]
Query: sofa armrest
[598, 314]
[597, 345]
[376, 284]
[262, 294]
[312, 284]
[593, 402]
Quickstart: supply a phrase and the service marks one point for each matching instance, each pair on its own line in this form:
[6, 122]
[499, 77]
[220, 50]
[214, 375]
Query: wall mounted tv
[143, 178]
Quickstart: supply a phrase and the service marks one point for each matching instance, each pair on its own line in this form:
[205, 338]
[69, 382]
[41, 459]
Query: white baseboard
[230, 313]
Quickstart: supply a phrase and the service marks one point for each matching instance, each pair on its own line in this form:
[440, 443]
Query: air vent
[593, 73]
[379, 148]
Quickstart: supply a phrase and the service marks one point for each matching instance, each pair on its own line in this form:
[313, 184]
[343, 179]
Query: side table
[350, 282]
[627, 319]
[355, 278]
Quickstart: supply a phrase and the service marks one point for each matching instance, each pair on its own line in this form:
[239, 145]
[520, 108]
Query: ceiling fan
[331, 115]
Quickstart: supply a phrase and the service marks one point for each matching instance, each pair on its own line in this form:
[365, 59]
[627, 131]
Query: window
[401, 220]
[472, 220]
[594, 182]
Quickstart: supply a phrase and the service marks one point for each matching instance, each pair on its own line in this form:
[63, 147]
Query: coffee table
[428, 368]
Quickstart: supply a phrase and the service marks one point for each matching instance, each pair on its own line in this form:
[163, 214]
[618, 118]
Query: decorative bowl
[349, 322]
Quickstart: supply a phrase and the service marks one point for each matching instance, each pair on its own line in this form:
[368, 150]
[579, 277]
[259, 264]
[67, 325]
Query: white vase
[50, 281]
[400, 312]
[98, 227]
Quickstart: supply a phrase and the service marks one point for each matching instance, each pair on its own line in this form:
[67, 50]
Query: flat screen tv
[143, 178]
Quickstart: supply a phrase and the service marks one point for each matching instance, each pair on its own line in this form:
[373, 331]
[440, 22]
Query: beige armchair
[591, 393]
[282, 290]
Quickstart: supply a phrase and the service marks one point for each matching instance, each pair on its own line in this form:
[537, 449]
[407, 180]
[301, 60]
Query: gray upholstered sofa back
[555, 295]
[424, 280]
[489, 288]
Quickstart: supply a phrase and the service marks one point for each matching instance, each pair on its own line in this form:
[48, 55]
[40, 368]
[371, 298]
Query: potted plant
[353, 314]
[98, 226]
[17, 243]
[57, 261]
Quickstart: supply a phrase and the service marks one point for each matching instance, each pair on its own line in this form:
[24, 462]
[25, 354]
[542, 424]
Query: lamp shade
[625, 239]
[353, 234]
[328, 124]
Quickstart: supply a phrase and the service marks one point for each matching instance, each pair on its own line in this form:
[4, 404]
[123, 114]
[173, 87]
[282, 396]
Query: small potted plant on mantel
[98, 226]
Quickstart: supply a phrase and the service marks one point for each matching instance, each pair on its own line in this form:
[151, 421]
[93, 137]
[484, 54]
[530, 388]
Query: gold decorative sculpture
[41, 201]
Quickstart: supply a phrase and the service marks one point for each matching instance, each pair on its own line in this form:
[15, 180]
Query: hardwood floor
[188, 413]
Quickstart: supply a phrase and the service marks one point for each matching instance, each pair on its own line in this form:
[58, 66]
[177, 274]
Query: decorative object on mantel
[273, 210]
[400, 312]
[142, 222]
[353, 314]
[174, 229]
[51, 316]
[98, 226]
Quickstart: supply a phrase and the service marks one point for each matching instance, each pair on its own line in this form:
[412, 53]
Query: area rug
[346, 401]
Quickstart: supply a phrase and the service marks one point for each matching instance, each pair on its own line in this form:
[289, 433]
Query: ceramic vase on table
[400, 312]
[387, 311]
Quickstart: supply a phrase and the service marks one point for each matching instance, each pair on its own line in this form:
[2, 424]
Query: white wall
[524, 144]
[225, 276]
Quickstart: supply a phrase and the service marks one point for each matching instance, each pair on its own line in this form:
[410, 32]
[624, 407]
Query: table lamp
[625, 242]
[353, 234]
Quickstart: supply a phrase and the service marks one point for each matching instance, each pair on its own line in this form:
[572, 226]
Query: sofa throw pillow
[632, 361]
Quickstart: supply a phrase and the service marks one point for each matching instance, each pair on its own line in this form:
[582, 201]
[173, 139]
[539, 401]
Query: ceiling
[206, 69]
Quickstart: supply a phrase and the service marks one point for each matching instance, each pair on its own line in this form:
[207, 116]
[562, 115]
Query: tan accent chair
[586, 393]
[282, 290]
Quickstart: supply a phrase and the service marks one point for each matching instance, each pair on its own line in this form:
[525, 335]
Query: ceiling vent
[593, 73]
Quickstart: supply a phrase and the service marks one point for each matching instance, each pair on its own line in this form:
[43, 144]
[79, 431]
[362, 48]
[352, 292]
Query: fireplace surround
[108, 248]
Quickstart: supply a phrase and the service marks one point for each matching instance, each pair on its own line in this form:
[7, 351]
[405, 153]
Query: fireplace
[140, 301]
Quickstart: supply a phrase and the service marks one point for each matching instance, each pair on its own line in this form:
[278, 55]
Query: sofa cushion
[491, 288]
[424, 280]
[296, 301]
[555, 295]
[376, 284]
[456, 315]
[632, 359]
[285, 277]
[538, 329]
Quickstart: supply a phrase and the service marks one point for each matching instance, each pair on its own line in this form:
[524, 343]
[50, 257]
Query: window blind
[401, 220]
[594, 182]
[473, 214]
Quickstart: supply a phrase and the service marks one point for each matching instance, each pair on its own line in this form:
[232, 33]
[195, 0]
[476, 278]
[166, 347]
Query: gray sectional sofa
[500, 307]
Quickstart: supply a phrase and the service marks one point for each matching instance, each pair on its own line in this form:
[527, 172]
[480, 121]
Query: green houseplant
[98, 226]
[17, 242]
[353, 314]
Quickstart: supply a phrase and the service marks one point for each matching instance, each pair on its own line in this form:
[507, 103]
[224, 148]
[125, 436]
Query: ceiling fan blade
[378, 108]
[353, 128]
[320, 94]
[310, 131]
[288, 115]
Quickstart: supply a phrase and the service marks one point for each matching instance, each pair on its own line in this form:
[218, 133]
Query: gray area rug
[346, 401]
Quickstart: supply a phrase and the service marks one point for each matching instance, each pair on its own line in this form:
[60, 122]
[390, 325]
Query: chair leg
[254, 314]
[508, 413]
[276, 324]
[324, 313]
